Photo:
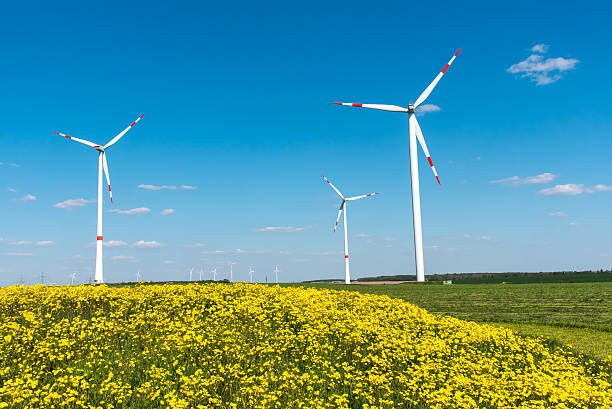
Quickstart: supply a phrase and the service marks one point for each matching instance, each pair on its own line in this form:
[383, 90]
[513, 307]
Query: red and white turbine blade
[428, 90]
[333, 187]
[338, 219]
[362, 196]
[392, 108]
[116, 138]
[83, 141]
[107, 175]
[421, 139]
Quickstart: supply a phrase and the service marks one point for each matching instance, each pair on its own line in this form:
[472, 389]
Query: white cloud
[194, 245]
[557, 214]
[362, 235]
[156, 187]
[28, 198]
[3, 240]
[72, 203]
[45, 243]
[22, 243]
[132, 212]
[10, 189]
[169, 261]
[576, 224]
[141, 244]
[328, 253]
[529, 180]
[573, 189]
[126, 258]
[540, 48]
[188, 187]
[540, 70]
[10, 253]
[166, 212]
[426, 109]
[287, 229]
[114, 243]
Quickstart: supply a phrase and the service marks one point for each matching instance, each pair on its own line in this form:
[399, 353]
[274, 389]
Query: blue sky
[237, 103]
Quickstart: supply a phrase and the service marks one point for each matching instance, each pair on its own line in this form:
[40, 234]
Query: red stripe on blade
[438, 180]
[457, 52]
[338, 103]
[445, 68]
[430, 162]
[357, 105]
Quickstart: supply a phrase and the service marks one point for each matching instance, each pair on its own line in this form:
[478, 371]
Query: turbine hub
[411, 108]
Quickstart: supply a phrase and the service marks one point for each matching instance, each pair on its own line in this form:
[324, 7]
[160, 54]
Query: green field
[576, 314]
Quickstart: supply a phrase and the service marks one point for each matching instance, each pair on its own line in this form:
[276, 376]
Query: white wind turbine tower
[415, 133]
[138, 276]
[251, 271]
[214, 274]
[102, 165]
[200, 272]
[347, 274]
[190, 273]
[72, 278]
[276, 271]
[231, 271]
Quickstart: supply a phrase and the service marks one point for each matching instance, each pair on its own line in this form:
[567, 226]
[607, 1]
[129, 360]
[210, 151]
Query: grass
[577, 314]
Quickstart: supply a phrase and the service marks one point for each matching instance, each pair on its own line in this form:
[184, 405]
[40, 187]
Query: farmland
[257, 346]
[578, 314]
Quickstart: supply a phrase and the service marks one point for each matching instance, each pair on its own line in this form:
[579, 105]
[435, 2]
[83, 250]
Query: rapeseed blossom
[255, 346]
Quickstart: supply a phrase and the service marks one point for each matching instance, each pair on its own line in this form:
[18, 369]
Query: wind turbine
[347, 274]
[276, 271]
[190, 273]
[214, 273]
[251, 271]
[138, 276]
[200, 272]
[415, 133]
[231, 271]
[102, 164]
[72, 277]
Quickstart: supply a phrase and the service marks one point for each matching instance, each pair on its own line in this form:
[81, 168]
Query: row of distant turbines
[414, 134]
[213, 273]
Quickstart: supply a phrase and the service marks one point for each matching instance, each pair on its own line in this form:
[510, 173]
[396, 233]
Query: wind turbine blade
[83, 141]
[421, 139]
[362, 196]
[105, 165]
[333, 187]
[338, 219]
[382, 107]
[431, 86]
[116, 138]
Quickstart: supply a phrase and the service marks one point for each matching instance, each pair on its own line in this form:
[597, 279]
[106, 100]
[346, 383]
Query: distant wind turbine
[251, 271]
[138, 276]
[102, 165]
[190, 273]
[347, 274]
[73, 277]
[200, 272]
[214, 274]
[276, 271]
[231, 271]
[415, 133]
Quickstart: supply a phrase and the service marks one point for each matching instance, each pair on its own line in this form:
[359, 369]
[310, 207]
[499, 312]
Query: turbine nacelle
[411, 108]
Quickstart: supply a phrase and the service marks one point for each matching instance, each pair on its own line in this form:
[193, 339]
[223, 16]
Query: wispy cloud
[286, 229]
[22, 243]
[141, 244]
[542, 71]
[466, 236]
[557, 214]
[362, 236]
[10, 189]
[573, 189]
[576, 224]
[114, 243]
[28, 198]
[156, 187]
[72, 203]
[426, 109]
[45, 243]
[529, 180]
[189, 187]
[124, 258]
[13, 254]
[167, 262]
[166, 212]
[132, 212]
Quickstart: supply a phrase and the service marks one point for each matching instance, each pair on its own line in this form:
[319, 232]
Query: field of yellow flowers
[256, 346]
